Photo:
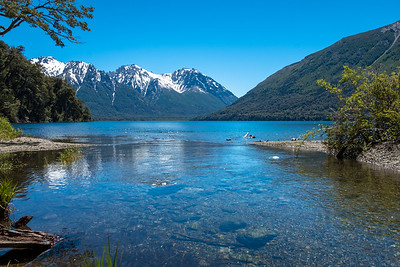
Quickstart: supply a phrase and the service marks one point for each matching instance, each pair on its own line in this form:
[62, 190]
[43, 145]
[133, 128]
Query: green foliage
[292, 94]
[27, 95]
[69, 155]
[56, 18]
[7, 132]
[6, 163]
[7, 193]
[108, 259]
[369, 112]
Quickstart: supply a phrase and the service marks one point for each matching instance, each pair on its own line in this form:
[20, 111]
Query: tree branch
[15, 23]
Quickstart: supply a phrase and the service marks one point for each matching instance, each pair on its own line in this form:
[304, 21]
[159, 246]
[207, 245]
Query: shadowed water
[179, 194]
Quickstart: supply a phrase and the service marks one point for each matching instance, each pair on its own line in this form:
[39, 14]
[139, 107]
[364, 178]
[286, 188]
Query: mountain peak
[50, 66]
[395, 27]
[131, 67]
[188, 70]
[74, 72]
[136, 91]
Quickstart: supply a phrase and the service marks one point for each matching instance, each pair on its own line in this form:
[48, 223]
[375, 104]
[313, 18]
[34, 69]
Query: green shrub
[7, 132]
[369, 112]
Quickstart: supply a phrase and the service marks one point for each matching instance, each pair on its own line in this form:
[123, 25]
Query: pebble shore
[33, 144]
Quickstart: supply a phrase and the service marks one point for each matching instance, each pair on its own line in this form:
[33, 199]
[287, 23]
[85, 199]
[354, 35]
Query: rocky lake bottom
[179, 194]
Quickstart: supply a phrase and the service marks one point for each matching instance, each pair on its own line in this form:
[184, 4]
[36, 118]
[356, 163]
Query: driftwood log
[26, 239]
[22, 222]
[25, 245]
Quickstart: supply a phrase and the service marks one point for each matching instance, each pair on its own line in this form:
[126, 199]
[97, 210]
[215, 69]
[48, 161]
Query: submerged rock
[255, 238]
[165, 190]
[231, 226]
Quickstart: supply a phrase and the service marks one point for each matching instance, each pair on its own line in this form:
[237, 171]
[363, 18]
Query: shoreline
[295, 145]
[27, 144]
[385, 156]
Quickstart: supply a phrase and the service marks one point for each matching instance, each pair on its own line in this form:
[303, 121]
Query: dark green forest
[27, 95]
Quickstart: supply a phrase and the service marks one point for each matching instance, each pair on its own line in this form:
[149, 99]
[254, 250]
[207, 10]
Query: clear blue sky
[238, 43]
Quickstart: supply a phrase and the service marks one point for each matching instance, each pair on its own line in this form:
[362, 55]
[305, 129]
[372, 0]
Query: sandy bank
[386, 155]
[33, 144]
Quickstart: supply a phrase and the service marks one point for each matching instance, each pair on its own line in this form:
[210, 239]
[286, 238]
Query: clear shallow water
[179, 194]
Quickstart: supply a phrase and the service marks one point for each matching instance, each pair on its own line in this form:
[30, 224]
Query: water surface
[179, 194]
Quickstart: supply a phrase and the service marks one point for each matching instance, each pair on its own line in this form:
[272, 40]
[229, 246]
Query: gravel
[33, 144]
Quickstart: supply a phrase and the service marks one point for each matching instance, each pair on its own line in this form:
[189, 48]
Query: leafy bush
[7, 132]
[369, 113]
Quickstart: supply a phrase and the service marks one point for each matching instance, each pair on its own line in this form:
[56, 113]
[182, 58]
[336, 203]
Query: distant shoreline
[24, 144]
[385, 155]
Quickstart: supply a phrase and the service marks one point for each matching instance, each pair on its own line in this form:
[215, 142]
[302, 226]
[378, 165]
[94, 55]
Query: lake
[179, 194]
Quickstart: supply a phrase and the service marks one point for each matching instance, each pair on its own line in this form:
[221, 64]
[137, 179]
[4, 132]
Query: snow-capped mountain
[132, 92]
[75, 72]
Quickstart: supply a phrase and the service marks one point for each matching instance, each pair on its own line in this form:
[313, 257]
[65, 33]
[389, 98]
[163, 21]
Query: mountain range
[133, 93]
[293, 94]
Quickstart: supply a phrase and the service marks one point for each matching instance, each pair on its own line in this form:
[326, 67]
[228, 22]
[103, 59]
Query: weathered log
[23, 221]
[26, 239]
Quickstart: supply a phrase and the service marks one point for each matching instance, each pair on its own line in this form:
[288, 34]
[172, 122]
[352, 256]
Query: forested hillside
[27, 95]
[292, 93]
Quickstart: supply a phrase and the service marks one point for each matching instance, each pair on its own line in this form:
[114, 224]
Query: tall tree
[27, 95]
[56, 17]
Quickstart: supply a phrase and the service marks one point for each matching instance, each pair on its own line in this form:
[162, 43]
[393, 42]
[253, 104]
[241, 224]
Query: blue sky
[238, 43]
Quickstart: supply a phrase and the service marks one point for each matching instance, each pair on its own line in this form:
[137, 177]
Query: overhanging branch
[14, 24]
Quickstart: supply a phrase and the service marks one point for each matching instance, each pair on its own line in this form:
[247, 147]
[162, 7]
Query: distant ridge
[292, 92]
[133, 93]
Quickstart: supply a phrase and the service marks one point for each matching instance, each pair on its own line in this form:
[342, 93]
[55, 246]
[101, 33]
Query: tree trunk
[340, 154]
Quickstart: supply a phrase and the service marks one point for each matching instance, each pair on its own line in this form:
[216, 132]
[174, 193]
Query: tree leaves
[367, 116]
[27, 95]
[55, 17]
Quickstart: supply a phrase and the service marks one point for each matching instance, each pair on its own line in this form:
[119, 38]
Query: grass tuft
[6, 163]
[7, 193]
[69, 155]
[106, 259]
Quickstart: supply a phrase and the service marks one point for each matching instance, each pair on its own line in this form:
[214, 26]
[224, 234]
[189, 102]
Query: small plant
[6, 164]
[69, 155]
[7, 193]
[105, 259]
[6, 167]
[7, 132]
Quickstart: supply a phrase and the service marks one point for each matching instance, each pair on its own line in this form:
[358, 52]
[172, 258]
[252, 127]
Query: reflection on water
[360, 194]
[190, 201]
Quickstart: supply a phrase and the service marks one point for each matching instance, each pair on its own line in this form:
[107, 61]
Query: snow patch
[51, 66]
[133, 76]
